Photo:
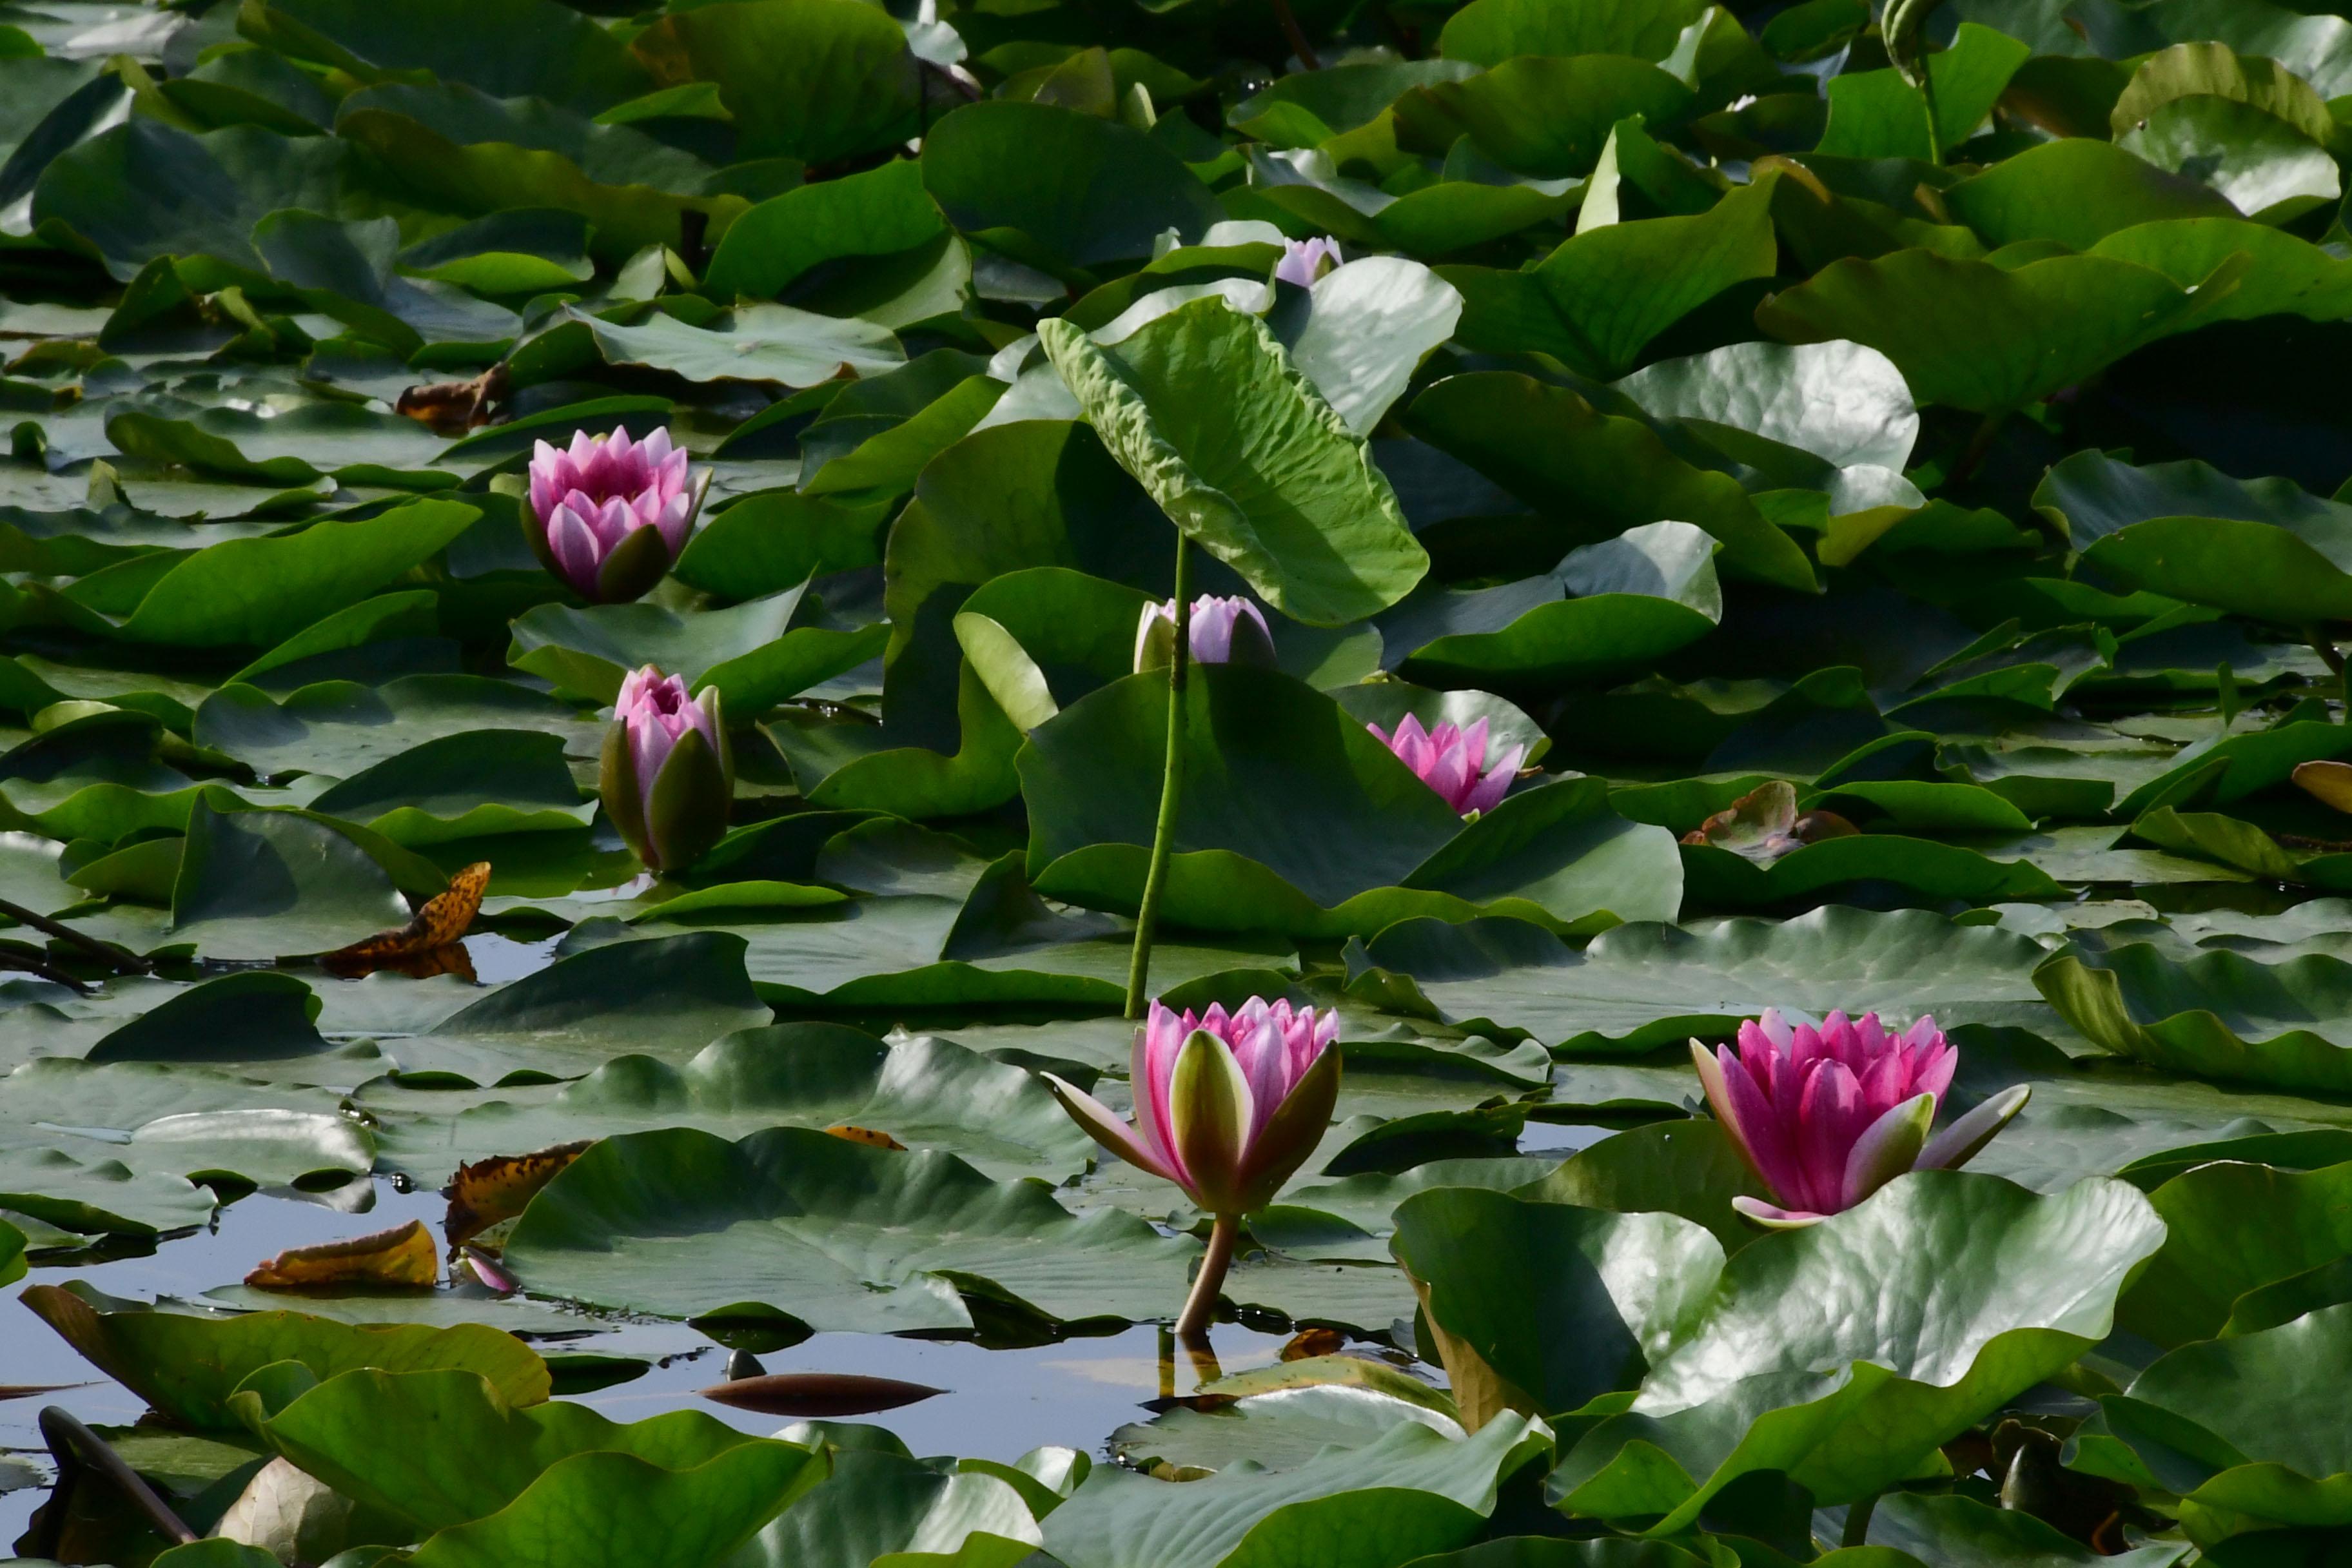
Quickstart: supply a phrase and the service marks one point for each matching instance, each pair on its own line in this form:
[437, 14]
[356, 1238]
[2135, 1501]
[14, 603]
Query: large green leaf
[1564, 1304]
[877, 1506]
[476, 784]
[509, 49]
[1541, 115]
[443, 1448]
[751, 343]
[1619, 605]
[876, 213]
[832, 1234]
[1411, 1492]
[261, 884]
[2077, 192]
[1079, 189]
[2221, 1015]
[160, 1119]
[1605, 294]
[668, 997]
[257, 591]
[145, 189]
[751, 652]
[1492, 31]
[2259, 1424]
[925, 1092]
[2072, 315]
[1882, 114]
[2233, 1226]
[615, 1510]
[1595, 475]
[1648, 985]
[1845, 1353]
[813, 79]
[1204, 407]
[1261, 747]
[186, 1365]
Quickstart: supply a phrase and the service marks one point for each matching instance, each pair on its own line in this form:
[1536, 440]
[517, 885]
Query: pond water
[996, 1403]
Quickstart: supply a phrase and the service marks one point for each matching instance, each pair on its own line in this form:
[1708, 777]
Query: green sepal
[1291, 1133]
[635, 565]
[1209, 1107]
[616, 786]
[691, 797]
[1155, 648]
[1252, 644]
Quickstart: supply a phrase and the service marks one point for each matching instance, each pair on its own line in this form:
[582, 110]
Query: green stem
[1857, 1521]
[106, 953]
[2325, 647]
[1201, 1306]
[1171, 783]
[1978, 448]
[1295, 36]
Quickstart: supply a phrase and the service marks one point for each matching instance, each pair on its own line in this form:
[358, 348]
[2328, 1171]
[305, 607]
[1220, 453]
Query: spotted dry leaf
[494, 1191]
[434, 930]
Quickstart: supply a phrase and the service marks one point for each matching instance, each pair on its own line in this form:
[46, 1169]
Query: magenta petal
[1767, 1135]
[1830, 1117]
[576, 551]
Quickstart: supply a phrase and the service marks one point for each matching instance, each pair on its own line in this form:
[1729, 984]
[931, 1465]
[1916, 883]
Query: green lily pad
[187, 1365]
[1776, 1376]
[1411, 1492]
[1387, 847]
[439, 1448]
[1643, 986]
[832, 1234]
[1299, 509]
[925, 1092]
[751, 652]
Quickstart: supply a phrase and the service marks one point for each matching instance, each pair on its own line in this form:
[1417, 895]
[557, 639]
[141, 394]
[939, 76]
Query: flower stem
[1171, 782]
[106, 953]
[1857, 1521]
[1295, 36]
[1210, 1283]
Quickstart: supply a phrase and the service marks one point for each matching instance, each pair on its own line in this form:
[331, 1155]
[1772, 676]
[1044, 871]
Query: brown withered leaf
[429, 941]
[404, 1255]
[28, 1390]
[866, 1135]
[493, 1190]
[452, 407]
[817, 1395]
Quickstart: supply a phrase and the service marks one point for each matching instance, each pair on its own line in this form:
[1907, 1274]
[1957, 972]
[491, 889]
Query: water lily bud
[1224, 631]
[1449, 760]
[1227, 1106]
[1304, 260]
[611, 515]
[668, 776]
[1826, 1117]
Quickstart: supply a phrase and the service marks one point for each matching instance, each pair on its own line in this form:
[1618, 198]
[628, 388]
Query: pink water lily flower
[1227, 1106]
[1304, 260]
[668, 776]
[1224, 631]
[1450, 760]
[1826, 1117]
[612, 514]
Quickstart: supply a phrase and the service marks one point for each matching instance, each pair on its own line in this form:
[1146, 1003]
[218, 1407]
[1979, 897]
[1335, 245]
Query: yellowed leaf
[2329, 783]
[404, 1255]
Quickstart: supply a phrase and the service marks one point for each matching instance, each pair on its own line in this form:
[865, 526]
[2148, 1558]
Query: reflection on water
[999, 1403]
